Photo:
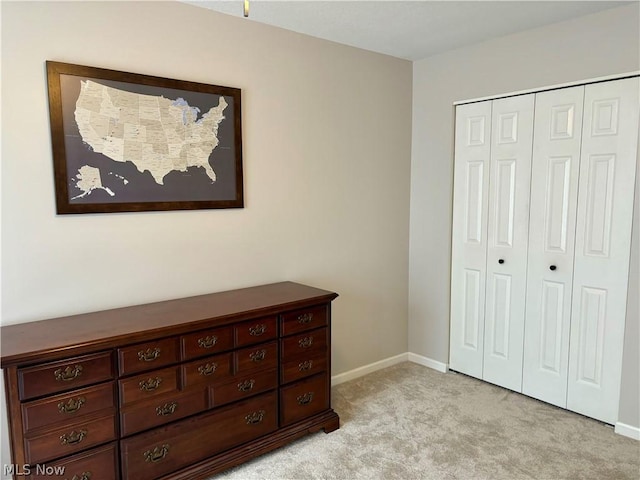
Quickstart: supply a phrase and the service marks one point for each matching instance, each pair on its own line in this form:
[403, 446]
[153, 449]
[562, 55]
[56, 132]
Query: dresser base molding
[327, 421]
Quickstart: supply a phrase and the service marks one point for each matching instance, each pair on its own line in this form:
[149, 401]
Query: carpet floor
[412, 422]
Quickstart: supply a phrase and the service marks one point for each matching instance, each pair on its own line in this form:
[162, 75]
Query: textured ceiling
[408, 29]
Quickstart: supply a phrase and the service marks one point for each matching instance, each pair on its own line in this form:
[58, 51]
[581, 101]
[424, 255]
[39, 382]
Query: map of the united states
[156, 134]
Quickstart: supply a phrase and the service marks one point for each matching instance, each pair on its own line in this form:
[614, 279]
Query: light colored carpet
[411, 422]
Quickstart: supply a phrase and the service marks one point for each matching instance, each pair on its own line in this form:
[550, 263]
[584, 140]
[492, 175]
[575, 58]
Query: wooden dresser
[180, 389]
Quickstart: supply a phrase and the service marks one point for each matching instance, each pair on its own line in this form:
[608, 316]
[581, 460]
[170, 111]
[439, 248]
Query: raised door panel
[554, 188]
[604, 218]
[469, 247]
[507, 239]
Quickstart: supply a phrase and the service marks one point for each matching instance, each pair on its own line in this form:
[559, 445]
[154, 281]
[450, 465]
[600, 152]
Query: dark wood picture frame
[126, 142]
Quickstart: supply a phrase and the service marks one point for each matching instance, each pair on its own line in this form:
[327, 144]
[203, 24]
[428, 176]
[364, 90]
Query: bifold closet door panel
[603, 238]
[469, 244]
[507, 239]
[554, 198]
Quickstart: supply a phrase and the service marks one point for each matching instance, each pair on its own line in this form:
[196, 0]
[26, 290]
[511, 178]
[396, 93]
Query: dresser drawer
[147, 356]
[161, 410]
[256, 331]
[304, 319]
[147, 385]
[303, 366]
[243, 386]
[207, 370]
[303, 399]
[64, 375]
[70, 439]
[206, 342]
[306, 343]
[256, 358]
[98, 464]
[161, 451]
[67, 407]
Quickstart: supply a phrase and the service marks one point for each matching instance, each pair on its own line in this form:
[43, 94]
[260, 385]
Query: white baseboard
[388, 362]
[428, 362]
[627, 431]
[372, 367]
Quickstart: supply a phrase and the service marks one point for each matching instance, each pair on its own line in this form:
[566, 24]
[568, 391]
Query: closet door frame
[576, 331]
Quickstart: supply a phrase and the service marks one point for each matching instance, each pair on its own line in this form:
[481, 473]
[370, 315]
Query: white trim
[372, 367]
[388, 362]
[550, 87]
[428, 362]
[627, 430]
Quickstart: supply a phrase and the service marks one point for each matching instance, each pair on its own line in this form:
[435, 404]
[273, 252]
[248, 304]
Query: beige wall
[327, 138]
[592, 46]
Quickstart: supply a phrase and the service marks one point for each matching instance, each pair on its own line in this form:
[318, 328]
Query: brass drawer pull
[72, 406]
[305, 399]
[258, 330]
[258, 355]
[166, 409]
[246, 386]
[150, 384]
[208, 369]
[305, 342]
[73, 438]
[255, 417]
[148, 355]
[156, 454]
[208, 341]
[306, 365]
[305, 318]
[83, 476]
[68, 373]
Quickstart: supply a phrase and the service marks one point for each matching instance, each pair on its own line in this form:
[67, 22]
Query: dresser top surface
[76, 334]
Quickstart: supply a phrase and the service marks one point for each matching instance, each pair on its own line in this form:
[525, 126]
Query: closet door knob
[552, 267]
[501, 261]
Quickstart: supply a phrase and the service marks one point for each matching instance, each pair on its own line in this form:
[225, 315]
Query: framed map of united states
[125, 142]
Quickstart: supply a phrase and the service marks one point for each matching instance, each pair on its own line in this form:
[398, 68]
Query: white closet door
[554, 197]
[469, 246]
[508, 221]
[603, 238]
